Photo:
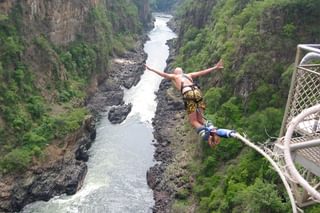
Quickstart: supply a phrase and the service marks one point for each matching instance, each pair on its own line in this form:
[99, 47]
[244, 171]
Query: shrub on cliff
[15, 160]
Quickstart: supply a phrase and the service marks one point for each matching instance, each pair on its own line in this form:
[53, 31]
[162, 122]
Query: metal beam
[303, 145]
[310, 47]
[308, 164]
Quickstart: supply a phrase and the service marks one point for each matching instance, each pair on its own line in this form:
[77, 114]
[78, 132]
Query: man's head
[178, 70]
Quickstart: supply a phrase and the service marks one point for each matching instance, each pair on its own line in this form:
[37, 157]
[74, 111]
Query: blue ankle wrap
[225, 133]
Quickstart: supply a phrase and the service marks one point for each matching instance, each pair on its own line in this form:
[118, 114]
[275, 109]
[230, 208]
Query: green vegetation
[36, 138]
[43, 85]
[119, 12]
[248, 95]
[164, 5]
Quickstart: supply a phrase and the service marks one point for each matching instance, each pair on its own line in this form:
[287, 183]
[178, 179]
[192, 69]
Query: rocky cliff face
[166, 5]
[144, 12]
[63, 20]
[60, 20]
[197, 16]
[5, 6]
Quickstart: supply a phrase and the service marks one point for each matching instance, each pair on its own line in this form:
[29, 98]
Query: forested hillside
[257, 41]
[164, 5]
[51, 55]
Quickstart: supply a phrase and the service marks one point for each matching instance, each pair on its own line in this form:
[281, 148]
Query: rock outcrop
[61, 20]
[124, 72]
[164, 178]
[118, 114]
[173, 149]
[108, 93]
[62, 171]
[129, 67]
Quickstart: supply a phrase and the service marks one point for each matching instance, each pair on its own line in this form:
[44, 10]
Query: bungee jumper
[194, 103]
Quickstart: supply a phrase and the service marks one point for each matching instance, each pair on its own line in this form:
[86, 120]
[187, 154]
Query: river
[121, 154]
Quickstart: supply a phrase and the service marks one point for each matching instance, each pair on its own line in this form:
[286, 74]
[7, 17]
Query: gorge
[121, 154]
[64, 63]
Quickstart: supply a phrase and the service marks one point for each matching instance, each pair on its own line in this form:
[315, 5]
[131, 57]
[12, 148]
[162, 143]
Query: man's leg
[208, 130]
[196, 119]
[203, 131]
[200, 117]
[193, 119]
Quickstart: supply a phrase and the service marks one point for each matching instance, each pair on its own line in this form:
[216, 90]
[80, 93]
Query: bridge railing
[305, 87]
[298, 146]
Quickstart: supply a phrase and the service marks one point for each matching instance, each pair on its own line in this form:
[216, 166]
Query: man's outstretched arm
[218, 66]
[162, 74]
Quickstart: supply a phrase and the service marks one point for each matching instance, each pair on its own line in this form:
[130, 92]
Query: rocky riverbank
[173, 148]
[62, 168]
[125, 71]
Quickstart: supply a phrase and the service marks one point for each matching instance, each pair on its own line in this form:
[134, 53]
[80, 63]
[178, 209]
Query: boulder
[119, 113]
[109, 93]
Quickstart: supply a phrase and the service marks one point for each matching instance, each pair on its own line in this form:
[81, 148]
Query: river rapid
[121, 154]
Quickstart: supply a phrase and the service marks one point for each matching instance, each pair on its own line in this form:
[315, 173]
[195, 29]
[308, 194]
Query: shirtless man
[193, 99]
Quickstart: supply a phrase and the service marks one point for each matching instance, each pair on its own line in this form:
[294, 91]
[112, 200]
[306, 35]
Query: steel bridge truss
[297, 151]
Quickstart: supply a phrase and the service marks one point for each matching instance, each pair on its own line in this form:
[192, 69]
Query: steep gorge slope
[51, 51]
[165, 5]
[257, 41]
[53, 55]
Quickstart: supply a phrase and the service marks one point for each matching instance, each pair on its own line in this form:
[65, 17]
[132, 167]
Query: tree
[260, 197]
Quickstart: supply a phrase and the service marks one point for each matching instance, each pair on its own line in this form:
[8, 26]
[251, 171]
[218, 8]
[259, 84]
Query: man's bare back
[177, 76]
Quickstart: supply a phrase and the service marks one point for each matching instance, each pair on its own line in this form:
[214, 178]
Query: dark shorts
[193, 100]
